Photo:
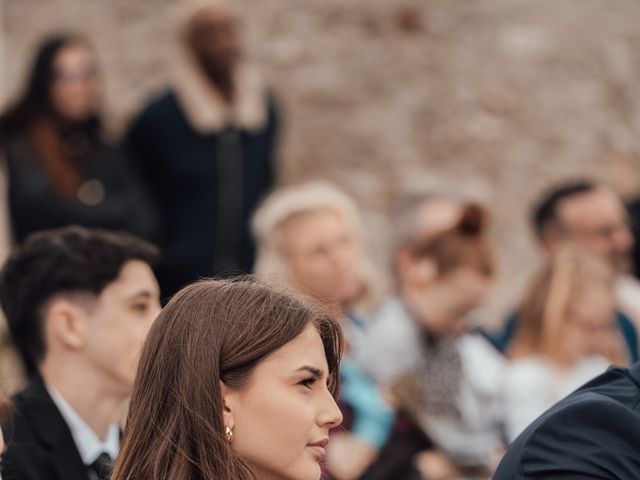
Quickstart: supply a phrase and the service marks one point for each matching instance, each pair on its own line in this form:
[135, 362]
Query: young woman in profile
[237, 381]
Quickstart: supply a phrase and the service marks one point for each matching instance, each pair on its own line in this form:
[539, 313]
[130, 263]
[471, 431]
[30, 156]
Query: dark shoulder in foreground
[39, 443]
[593, 433]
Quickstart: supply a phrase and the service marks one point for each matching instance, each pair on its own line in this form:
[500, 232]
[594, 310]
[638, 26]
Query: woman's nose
[330, 415]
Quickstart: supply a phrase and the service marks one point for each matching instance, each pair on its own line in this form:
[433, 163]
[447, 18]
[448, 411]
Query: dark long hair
[34, 117]
[35, 102]
[210, 332]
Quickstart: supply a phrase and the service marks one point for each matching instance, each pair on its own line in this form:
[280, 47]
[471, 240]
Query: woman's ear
[229, 401]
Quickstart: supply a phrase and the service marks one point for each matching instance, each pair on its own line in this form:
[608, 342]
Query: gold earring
[229, 433]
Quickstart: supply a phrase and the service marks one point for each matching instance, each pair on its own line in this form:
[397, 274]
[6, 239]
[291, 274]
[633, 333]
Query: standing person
[567, 336]
[79, 303]
[206, 148]
[592, 216]
[60, 169]
[309, 238]
[237, 381]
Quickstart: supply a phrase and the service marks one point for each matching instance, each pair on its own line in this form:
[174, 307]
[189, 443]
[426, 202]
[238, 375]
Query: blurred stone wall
[492, 98]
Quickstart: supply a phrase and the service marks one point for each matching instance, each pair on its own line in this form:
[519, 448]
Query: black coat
[593, 433]
[35, 204]
[182, 168]
[39, 442]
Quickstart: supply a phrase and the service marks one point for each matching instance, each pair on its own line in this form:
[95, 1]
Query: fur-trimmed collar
[203, 105]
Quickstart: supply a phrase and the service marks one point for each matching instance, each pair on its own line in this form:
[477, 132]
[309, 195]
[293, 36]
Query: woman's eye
[308, 382]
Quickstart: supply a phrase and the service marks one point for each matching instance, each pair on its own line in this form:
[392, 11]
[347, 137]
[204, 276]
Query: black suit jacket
[39, 442]
[593, 433]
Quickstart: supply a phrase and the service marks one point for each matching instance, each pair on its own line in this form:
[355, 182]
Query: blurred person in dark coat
[206, 147]
[59, 168]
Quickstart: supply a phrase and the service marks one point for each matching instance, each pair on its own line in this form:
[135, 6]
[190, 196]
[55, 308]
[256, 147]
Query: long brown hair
[34, 115]
[546, 308]
[210, 332]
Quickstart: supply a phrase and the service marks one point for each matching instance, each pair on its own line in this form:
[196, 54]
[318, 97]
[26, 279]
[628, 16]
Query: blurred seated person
[421, 344]
[206, 148]
[592, 216]
[308, 237]
[567, 335]
[79, 303]
[60, 167]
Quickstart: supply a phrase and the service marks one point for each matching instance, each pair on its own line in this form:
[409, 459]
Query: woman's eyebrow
[316, 372]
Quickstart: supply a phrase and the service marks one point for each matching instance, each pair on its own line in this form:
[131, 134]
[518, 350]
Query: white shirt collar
[87, 442]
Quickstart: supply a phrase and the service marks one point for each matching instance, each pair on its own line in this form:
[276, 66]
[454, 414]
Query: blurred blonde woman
[566, 337]
[309, 235]
[309, 238]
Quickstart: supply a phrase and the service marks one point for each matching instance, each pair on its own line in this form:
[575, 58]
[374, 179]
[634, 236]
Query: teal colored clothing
[373, 418]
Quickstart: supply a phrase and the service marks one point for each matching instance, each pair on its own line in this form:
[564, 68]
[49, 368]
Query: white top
[392, 344]
[394, 347]
[87, 442]
[532, 385]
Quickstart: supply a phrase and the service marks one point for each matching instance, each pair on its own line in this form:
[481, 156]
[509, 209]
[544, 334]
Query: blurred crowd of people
[427, 391]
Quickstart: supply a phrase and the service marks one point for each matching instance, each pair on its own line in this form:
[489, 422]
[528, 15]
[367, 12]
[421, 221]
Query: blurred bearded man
[206, 147]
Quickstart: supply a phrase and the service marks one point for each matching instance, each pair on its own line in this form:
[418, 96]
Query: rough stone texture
[492, 98]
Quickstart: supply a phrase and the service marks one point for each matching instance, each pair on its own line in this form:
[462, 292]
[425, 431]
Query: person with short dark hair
[78, 303]
[545, 217]
[591, 216]
[588, 214]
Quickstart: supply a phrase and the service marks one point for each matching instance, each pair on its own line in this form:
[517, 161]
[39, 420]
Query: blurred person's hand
[349, 456]
[434, 465]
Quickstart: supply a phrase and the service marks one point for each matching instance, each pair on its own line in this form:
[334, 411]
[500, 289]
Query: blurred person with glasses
[589, 215]
[59, 166]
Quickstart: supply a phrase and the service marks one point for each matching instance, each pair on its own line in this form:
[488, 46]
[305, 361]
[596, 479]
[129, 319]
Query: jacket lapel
[634, 371]
[49, 425]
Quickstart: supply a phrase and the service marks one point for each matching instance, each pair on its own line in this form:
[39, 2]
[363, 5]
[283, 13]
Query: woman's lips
[319, 448]
[319, 452]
